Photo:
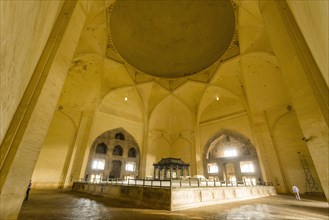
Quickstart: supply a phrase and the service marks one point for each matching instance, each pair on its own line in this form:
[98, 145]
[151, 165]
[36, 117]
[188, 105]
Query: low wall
[175, 198]
[156, 198]
[183, 198]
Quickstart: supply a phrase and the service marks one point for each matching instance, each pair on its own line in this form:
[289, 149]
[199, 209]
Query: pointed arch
[101, 148]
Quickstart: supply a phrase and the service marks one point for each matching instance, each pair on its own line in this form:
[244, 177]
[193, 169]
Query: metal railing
[175, 183]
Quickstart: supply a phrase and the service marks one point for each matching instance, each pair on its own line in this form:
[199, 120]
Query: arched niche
[117, 151]
[231, 157]
[132, 152]
[292, 150]
[120, 136]
[101, 148]
[170, 120]
[109, 156]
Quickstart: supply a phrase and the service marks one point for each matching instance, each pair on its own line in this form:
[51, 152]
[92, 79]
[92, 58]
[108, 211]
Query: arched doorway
[230, 172]
[116, 169]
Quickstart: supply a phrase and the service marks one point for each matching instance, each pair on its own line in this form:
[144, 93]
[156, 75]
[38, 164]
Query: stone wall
[158, 198]
[175, 198]
[182, 198]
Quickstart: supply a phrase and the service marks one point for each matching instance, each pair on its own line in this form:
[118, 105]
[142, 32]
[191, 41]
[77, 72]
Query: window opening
[247, 167]
[130, 166]
[98, 164]
[212, 168]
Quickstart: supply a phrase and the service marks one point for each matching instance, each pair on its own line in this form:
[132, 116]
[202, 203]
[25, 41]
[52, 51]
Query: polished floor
[66, 204]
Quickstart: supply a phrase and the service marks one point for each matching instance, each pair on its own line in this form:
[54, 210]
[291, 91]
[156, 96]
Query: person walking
[28, 191]
[296, 191]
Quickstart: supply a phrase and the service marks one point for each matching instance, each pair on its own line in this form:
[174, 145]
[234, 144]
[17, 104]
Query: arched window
[120, 136]
[101, 148]
[132, 152]
[117, 150]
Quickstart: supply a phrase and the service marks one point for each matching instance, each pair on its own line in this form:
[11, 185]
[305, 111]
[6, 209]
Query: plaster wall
[238, 124]
[25, 28]
[38, 105]
[104, 122]
[287, 137]
[309, 93]
[314, 30]
[160, 147]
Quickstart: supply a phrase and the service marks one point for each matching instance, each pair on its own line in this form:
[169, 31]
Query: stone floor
[66, 204]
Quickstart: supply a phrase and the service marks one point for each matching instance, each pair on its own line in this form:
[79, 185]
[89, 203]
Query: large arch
[169, 120]
[293, 152]
[230, 156]
[116, 162]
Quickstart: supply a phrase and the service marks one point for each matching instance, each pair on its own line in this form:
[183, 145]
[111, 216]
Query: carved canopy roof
[171, 161]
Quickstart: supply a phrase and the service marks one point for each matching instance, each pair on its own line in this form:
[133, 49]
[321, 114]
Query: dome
[171, 39]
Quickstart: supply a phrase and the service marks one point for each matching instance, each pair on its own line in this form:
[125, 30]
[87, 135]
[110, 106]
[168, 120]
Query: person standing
[28, 190]
[296, 191]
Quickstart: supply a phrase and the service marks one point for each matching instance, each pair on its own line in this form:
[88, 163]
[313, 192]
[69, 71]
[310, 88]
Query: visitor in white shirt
[296, 191]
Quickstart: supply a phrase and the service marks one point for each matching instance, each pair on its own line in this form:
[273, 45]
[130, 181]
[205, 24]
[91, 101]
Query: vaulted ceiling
[212, 57]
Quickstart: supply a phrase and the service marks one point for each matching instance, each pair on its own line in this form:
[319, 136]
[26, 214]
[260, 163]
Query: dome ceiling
[171, 39]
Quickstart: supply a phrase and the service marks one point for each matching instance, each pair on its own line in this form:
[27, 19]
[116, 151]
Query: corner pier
[174, 194]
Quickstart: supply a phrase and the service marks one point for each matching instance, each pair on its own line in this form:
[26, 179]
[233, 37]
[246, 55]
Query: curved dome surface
[171, 39]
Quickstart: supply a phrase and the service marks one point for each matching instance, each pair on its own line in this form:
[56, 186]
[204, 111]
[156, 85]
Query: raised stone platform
[175, 198]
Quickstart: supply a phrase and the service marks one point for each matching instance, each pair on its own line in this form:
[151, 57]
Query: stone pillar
[66, 179]
[78, 169]
[170, 171]
[144, 149]
[237, 170]
[29, 126]
[307, 88]
[220, 171]
[268, 151]
[197, 165]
